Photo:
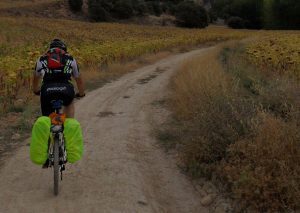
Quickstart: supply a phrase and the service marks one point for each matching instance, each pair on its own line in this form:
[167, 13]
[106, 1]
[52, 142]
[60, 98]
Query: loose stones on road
[207, 200]
[16, 136]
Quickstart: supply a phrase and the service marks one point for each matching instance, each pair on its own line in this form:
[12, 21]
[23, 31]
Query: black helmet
[58, 43]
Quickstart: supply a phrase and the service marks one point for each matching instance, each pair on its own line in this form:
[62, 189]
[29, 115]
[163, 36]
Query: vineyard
[22, 41]
[278, 52]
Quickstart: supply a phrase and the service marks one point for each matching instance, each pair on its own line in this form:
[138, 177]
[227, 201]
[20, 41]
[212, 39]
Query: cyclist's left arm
[78, 78]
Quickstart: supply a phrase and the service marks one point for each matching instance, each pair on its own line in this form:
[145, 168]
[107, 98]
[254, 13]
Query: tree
[154, 7]
[139, 7]
[251, 11]
[236, 22]
[189, 14]
[98, 10]
[123, 9]
[282, 14]
[222, 8]
[75, 5]
[212, 16]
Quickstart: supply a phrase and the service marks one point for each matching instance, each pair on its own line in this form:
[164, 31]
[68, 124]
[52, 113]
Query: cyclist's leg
[68, 98]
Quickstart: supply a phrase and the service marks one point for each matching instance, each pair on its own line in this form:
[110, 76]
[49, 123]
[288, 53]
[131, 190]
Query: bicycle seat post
[57, 125]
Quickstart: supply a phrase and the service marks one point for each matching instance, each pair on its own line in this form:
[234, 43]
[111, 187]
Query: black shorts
[55, 91]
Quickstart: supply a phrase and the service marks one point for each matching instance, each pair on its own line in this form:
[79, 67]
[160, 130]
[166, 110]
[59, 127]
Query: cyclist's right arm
[37, 75]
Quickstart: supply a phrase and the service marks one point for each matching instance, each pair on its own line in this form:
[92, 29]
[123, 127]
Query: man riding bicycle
[56, 69]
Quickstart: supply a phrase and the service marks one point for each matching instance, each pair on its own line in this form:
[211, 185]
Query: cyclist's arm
[78, 78]
[37, 75]
[80, 86]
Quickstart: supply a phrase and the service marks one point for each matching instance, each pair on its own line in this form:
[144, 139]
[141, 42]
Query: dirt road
[123, 168]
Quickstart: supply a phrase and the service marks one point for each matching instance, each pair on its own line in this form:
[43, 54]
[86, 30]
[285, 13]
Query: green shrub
[249, 10]
[282, 14]
[97, 11]
[123, 9]
[236, 22]
[169, 7]
[189, 14]
[164, 7]
[154, 7]
[212, 16]
[75, 5]
[139, 7]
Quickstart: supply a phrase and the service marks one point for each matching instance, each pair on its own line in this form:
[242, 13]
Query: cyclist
[56, 69]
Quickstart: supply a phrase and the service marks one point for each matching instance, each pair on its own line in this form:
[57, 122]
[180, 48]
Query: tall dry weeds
[240, 126]
[264, 171]
[211, 117]
[195, 84]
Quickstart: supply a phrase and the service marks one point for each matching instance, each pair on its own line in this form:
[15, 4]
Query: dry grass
[195, 83]
[239, 126]
[262, 168]
[264, 171]
[211, 117]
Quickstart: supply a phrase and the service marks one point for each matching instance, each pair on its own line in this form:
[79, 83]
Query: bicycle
[57, 155]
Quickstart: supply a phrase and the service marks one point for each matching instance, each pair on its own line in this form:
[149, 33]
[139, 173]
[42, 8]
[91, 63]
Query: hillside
[58, 9]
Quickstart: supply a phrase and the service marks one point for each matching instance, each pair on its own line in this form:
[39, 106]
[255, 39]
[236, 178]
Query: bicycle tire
[56, 165]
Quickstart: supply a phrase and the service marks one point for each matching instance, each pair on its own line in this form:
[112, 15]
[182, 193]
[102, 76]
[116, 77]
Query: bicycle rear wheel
[56, 165]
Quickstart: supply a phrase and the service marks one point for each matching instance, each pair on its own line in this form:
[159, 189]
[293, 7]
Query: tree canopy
[270, 14]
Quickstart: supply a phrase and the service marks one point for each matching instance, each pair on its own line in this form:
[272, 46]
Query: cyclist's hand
[38, 93]
[78, 96]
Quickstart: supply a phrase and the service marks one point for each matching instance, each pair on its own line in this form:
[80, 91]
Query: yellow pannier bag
[39, 140]
[73, 140]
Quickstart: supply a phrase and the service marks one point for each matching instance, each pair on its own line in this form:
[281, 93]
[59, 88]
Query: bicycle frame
[57, 152]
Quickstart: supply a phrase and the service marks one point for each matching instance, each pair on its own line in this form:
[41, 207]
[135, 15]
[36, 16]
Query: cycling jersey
[60, 75]
[56, 82]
